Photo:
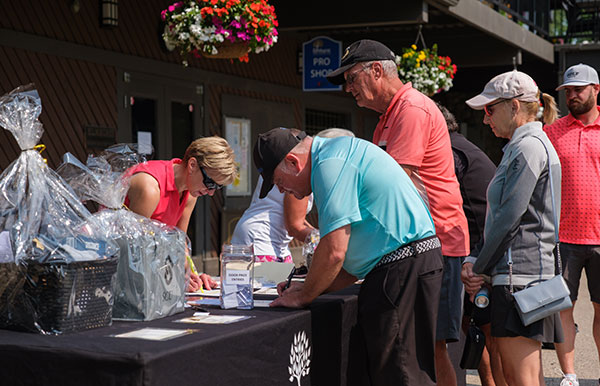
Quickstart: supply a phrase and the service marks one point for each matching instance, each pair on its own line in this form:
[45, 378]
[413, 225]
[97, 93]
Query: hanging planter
[425, 69]
[228, 50]
[220, 28]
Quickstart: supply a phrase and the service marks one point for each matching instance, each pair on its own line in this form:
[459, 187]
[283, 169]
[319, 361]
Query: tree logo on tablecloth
[299, 357]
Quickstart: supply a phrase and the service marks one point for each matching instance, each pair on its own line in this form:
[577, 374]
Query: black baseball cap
[270, 149]
[361, 51]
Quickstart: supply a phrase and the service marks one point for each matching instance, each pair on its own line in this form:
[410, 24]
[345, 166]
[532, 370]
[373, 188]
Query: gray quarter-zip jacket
[519, 211]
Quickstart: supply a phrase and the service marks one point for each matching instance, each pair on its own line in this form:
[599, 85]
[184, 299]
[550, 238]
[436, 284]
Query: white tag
[92, 246]
[235, 276]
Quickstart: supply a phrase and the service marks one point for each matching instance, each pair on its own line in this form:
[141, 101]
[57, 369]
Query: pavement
[587, 364]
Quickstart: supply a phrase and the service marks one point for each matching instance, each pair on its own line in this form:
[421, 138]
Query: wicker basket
[59, 298]
[228, 50]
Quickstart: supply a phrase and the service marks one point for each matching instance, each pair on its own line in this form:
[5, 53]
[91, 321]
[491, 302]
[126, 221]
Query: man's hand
[291, 297]
[472, 281]
[294, 286]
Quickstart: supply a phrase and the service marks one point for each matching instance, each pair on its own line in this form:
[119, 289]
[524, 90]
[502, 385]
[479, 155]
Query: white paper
[214, 319]
[205, 302]
[237, 276]
[154, 333]
[144, 139]
[266, 291]
[212, 293]
[262, 303]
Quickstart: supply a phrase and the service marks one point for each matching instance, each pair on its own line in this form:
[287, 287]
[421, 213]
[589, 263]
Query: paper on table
[266, 291]
[210, 293]
[149, 333]
[214, 319]
[262, 303]
[205, 302]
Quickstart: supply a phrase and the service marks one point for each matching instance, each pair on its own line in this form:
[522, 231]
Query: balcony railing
[559, 21]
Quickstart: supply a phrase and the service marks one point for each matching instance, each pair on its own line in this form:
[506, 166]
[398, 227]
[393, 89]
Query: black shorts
[397, 312]
[506, 322]
[576, 257]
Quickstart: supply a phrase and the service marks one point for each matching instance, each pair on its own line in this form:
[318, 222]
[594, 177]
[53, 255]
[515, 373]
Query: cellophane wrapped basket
[57, 266]
[151, 274]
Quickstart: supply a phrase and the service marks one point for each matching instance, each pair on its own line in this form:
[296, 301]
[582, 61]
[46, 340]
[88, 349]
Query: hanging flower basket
[228, 50]
[425, 69]
[220, 28]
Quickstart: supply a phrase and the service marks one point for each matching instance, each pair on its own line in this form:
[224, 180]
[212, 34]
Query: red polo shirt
[170, 207]
[414, 132]
[578, 148]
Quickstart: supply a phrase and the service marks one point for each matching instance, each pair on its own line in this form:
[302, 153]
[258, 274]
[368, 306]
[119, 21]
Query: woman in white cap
[519, 225]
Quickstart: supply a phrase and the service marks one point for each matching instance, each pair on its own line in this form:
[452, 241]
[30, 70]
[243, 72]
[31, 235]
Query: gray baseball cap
[512, 84]
[579, 75]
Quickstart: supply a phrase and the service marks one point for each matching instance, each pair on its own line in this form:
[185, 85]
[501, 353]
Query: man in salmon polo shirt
[576, 139]
[413, 131]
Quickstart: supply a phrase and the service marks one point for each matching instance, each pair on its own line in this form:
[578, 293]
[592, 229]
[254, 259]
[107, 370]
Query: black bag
[474, 345]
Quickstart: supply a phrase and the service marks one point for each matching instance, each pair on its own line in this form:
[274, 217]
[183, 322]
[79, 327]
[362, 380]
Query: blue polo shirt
[355, 182]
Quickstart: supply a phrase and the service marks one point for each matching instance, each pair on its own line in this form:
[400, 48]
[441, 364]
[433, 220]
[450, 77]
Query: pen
[289, 279]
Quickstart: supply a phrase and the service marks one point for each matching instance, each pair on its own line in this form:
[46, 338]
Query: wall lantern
[109, 13]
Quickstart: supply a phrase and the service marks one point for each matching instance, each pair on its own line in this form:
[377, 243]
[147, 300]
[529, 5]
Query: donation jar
[237, 277]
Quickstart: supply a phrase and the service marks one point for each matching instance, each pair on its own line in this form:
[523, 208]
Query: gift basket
[151, 274]
[57, 267]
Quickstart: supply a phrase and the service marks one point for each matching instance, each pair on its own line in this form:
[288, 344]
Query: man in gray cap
[576, 139]
[373, 225]
[413, 131]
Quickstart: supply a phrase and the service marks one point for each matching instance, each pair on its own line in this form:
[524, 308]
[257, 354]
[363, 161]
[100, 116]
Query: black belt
[410, 250]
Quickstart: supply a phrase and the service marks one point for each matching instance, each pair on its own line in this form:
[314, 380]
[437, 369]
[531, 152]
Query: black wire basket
[58, 297]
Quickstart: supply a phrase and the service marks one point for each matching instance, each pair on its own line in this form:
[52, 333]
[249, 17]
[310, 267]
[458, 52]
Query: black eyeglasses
[489, 111]
[209, 182]
[350, 78]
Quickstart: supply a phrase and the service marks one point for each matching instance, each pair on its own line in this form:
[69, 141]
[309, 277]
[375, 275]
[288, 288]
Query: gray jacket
[519, 211]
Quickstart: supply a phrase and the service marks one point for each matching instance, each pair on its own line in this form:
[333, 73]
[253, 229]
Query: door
[169, 112]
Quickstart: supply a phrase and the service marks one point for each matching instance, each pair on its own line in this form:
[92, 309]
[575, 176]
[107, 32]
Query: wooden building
[103, 81]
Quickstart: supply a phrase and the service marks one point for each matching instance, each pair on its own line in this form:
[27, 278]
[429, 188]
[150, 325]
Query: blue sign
[320, 56]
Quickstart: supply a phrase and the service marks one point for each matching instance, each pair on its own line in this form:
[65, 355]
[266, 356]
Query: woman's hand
[194, 283]
[207, 281]
[472, 281]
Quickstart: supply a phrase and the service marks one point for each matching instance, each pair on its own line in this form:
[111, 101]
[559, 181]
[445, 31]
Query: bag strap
[556, 239]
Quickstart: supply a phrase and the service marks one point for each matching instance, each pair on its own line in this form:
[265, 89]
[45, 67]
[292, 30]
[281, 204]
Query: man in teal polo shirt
[374, 225]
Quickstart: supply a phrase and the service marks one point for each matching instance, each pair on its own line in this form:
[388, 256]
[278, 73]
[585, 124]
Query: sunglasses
[350, 78]
[488, 108]
[209, 182]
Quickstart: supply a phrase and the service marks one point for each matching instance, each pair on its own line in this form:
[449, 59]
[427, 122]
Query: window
[317, 120]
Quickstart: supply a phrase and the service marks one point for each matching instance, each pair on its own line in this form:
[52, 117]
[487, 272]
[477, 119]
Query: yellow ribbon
[40, 148]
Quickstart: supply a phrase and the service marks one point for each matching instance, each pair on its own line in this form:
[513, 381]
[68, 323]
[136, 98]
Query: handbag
[542, 298]
[474, 345]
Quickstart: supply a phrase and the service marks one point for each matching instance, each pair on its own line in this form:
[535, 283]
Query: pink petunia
[171, 8]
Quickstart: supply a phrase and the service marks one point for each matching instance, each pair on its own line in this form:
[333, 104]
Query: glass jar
[237, 277]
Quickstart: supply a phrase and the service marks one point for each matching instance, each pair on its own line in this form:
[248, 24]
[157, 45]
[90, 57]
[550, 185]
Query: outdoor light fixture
[109, 13]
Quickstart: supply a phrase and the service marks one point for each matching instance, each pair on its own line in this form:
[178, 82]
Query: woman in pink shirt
[167, 191]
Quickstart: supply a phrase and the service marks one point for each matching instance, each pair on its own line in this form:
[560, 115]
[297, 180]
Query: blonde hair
[214, 154]
[547, 113]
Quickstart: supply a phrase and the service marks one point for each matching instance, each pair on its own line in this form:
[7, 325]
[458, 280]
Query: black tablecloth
[255, 351]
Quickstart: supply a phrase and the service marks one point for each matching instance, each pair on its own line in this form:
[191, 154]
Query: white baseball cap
[512, 84]
[579, 75]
